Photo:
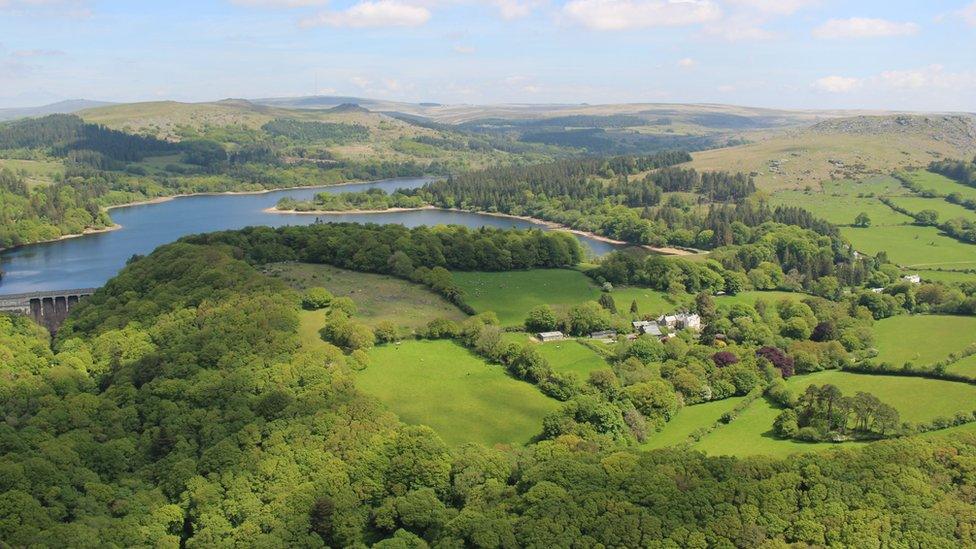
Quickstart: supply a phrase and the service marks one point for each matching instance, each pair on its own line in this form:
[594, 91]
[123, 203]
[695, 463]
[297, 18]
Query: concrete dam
[49, 309]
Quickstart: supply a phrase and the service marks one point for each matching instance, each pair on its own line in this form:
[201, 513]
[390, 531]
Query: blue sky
[814, 54]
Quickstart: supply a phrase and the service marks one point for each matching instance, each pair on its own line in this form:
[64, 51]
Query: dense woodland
[598, 195]
[960, 170]
[177, 409]
[44, 213]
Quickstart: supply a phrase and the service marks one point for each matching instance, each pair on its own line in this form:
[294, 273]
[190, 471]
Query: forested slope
[178, 409]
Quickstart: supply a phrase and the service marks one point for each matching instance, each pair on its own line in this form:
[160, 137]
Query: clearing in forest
[443, 385]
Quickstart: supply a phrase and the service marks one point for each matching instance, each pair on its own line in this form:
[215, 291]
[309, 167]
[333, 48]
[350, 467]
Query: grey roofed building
[550, 336]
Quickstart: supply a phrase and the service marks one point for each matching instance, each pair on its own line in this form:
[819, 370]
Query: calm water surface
[89, 261]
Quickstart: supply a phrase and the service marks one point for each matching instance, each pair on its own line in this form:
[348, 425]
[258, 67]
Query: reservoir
[89, 261]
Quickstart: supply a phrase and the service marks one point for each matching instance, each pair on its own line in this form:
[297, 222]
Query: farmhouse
[550, 336]
[913, 278]
[681, 321]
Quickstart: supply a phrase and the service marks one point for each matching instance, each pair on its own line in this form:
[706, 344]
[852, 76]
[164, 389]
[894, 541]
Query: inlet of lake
[89, 261]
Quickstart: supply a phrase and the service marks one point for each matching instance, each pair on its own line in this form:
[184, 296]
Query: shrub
[316, 298]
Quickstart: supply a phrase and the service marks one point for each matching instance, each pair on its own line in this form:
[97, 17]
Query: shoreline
[666, 250]
[161, 199]
[86, 232]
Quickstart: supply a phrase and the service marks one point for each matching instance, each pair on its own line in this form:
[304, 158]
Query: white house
[914, 279]
[681, 321]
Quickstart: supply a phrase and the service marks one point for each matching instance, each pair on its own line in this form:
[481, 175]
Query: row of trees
[960, 170]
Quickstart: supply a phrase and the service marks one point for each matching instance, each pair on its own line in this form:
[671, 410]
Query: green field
[941, 184]
[841, 210]
[750, 298]
[946, 210]
[444, 386]
[916, 399]
[513, 294]
[911, 245]
[649, 302]
[378, 297]
[922, 339]
[688, 420]
[750, 434]
[38, 172]
[947, 276]
[572, 357]
[966, 367]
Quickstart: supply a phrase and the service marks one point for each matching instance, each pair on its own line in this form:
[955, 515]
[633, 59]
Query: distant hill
[62, 107]
[846, 148]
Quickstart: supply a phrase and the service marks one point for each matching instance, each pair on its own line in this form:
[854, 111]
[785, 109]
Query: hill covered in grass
[846, 148]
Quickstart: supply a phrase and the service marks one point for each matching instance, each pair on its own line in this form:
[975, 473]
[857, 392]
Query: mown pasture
[511, 295]
[573, 357]
[922, 339]
[965, 367]
[751, 297]
[913, 246]
[917, 399]
[688, 420]
[464, 399]
[841, 209]
[946, 210]
[377, 297]
[751, 434]
[940, 184]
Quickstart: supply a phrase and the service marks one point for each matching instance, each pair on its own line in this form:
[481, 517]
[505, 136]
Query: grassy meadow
[922, 339]
[947, 276]
[751, 297]
[513, 294]
[572, 357]
[37, 172]
[913, 246]
[940, 184]
[649, 302]
[965, 367]
[444, 386]
[916, 399]
[751, 434]
[688, 420]
[946, 210]
[841, 209]
[378, 297]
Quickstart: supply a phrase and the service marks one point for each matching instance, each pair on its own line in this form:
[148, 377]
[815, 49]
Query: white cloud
[635, 14]
[968, 14]
[933, 78]
[686, 63]
[279, 3]
[837, 84]
[862, 27]
[515, 9]
[382, 13]
[774, 7]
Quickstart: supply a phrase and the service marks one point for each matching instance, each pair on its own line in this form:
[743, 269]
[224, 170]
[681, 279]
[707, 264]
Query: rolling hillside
[846, 148]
